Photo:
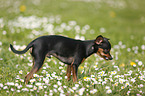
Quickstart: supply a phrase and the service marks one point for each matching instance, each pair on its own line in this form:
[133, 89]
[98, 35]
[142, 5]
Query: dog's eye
[106, 51]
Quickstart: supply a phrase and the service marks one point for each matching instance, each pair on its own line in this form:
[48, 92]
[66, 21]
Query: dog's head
[103, 47]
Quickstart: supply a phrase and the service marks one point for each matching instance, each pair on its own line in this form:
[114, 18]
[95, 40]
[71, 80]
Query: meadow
[122, 21]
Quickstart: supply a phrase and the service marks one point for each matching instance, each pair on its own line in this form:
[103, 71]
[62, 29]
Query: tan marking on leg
[83, 60]
[74, 73]
[68, 72]
[72, 62]
[30, 75]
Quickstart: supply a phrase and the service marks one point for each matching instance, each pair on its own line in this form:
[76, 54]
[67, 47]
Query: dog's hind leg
[38, 62]
[68, 72]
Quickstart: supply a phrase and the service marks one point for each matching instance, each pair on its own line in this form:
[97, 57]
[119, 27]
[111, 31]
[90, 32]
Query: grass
[122, 21]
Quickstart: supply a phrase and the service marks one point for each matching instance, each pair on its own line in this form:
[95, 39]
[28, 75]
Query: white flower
[38, 84]
[53, 74]
[109, 91]
[113, 72]
[74, 88]
[143, 47]
[71, 90]
[117, 76]
[141, 85]
[64, 86]
[93, 91]
[81, 91]
[20, 86]
[63, 71]
[20, 72]
[35, 75]
[60, 67]
[46, 80]
[121, 80]
[30, 86]
[127, 84]
[82, 38]
[48, 75]
[18, 91]
[31, 89]
[32, 80]
[86, 27]
[35, 88]
[133, 80]
[92, 76]
[55, 86]
[77, 37]
[77, 85]
[61, 94]
[16, 84]
[50, 94]
[59, 83]
[4, 32]
[1, 85]
[107, 87]
[140, 63]
[40, 79]
[72, 23]
[54, 90]
[5, 87]
[0, 43]
[10, 83]
[128, 49]
[60, 90]
[122, 87]
[40, 87]
[102, 30]
[25, 89]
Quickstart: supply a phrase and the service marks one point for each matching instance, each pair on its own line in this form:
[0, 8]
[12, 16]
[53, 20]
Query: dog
[70, 51]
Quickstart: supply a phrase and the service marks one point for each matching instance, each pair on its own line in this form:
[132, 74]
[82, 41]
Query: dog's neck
[89, 47]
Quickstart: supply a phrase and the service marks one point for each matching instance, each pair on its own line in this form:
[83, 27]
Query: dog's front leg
[68, 73]
[74, 69]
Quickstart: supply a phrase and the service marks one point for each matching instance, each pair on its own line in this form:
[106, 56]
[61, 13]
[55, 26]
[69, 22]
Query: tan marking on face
[102, 54]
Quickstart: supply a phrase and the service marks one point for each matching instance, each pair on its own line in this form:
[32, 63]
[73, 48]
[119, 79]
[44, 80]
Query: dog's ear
[99, 39]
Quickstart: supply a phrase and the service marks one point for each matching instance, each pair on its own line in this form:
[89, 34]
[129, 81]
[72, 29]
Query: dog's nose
[110, 58]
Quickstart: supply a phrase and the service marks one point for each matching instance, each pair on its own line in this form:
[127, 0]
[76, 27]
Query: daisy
[40, 87]
[140, 63]
[59, 83]
[109, 91]
[20, 72]
[1, 85]
[35, 75]
[55, 86]
[25, 89]
[81, 91]
[93, 91]
[122, 87]
[32, 80]
[35, 88]
[107, 87]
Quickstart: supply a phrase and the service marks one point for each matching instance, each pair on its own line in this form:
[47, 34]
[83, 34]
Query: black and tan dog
[70, 51]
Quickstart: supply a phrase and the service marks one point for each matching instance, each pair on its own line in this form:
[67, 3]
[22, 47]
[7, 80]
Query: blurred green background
[121, 18]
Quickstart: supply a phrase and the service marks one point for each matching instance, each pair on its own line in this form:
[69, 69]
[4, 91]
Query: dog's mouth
[108, 58]
[105, 56]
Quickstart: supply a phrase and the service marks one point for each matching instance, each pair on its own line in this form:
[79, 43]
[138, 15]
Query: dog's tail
[23, 51]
